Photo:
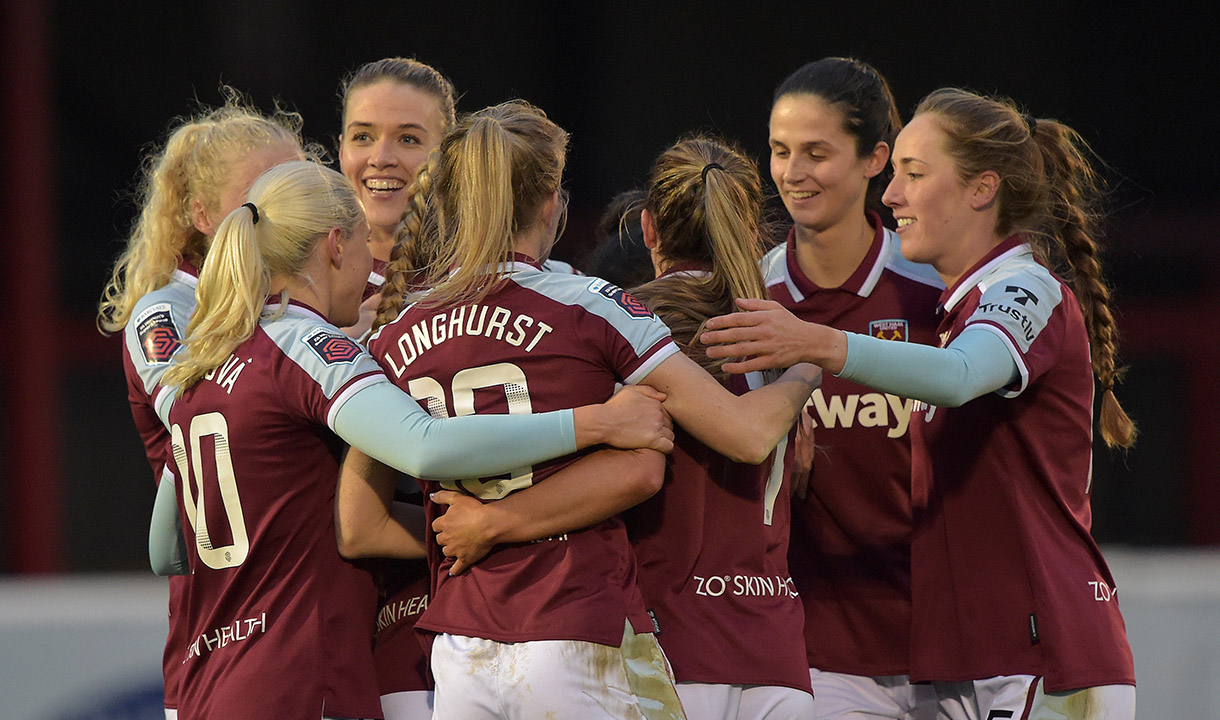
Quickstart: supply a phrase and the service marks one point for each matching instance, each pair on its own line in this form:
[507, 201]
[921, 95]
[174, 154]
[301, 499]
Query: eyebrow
[801, 146]
[401, 126]
[907, 161]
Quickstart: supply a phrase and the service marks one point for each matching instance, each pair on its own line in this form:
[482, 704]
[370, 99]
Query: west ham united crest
[158, 335]
[332, 347]
[888, 329]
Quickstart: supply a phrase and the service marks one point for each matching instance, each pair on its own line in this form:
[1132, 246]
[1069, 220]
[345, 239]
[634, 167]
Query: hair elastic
[1031, 123]
[253, 210]
[710, 166]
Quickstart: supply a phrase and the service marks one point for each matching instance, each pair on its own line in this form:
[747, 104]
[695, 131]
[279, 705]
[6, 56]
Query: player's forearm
[743, 428]
[975, 363]
[387, 424]
[583, 494]
[166, 547]
[367, 523]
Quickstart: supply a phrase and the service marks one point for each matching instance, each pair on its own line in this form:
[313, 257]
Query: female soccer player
[832, 125]
[200, 175]
[1014, 610]
[559, 620]
[394, 112]
[259, 403]
[713, 543]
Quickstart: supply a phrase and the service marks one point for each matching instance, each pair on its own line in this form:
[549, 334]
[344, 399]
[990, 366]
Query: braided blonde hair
[297, 204]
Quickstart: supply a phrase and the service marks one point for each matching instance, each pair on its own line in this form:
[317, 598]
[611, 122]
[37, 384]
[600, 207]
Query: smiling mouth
[903, 222]
[384, 186]
[801, 194]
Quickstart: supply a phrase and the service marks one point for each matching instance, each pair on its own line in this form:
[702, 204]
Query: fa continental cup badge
[888, 329]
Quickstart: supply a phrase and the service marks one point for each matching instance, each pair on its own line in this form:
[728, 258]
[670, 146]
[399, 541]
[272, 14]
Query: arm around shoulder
[743, 428]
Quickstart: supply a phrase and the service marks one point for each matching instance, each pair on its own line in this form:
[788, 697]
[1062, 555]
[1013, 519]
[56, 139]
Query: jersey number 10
[189, 458]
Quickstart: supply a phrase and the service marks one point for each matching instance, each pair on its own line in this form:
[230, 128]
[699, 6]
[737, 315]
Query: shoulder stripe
[774, 268]
[332, 360]
[163, 401]
[629, 318]
[904, 270]
[965, 286]
[897, 263]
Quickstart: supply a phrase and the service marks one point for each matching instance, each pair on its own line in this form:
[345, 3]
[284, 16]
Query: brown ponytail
[1074, 190]
[706, 198]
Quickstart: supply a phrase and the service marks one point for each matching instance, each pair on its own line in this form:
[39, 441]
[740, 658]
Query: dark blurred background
[88, 86]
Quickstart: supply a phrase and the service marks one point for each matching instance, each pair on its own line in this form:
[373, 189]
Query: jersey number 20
[508, 376]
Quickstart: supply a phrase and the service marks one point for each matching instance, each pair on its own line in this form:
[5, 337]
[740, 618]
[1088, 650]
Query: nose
[794, 169]
[382, 154]
[892, 197]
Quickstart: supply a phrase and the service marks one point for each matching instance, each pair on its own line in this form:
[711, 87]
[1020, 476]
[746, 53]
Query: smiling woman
[395, 111]
[1002, 430]
[832, 124]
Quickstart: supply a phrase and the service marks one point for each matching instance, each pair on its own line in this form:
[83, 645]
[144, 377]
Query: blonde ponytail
[230, 294]
[490, 178]
[297, 203]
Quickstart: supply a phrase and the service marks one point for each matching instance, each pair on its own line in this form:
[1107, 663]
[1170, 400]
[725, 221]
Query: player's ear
[648, 223]
[550, 206]
[652, 241]
[200, 219]
[334, 246]
[877, 160]
[985, 187]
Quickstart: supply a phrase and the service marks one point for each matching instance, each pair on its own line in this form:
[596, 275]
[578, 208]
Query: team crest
[888, 329]
[625, 300]
[158, 334]
[332, 347]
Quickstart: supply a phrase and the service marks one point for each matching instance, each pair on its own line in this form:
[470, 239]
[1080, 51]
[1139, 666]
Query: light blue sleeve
[975, 363]
[166, 546]
[385, 423]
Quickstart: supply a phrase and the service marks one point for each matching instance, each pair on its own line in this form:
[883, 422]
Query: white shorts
[840, 696]
[705, 701]
[478, 678]
[407, 705]
[1021, 697]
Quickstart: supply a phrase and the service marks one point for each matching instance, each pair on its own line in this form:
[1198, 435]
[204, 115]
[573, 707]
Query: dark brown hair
[863, 97]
